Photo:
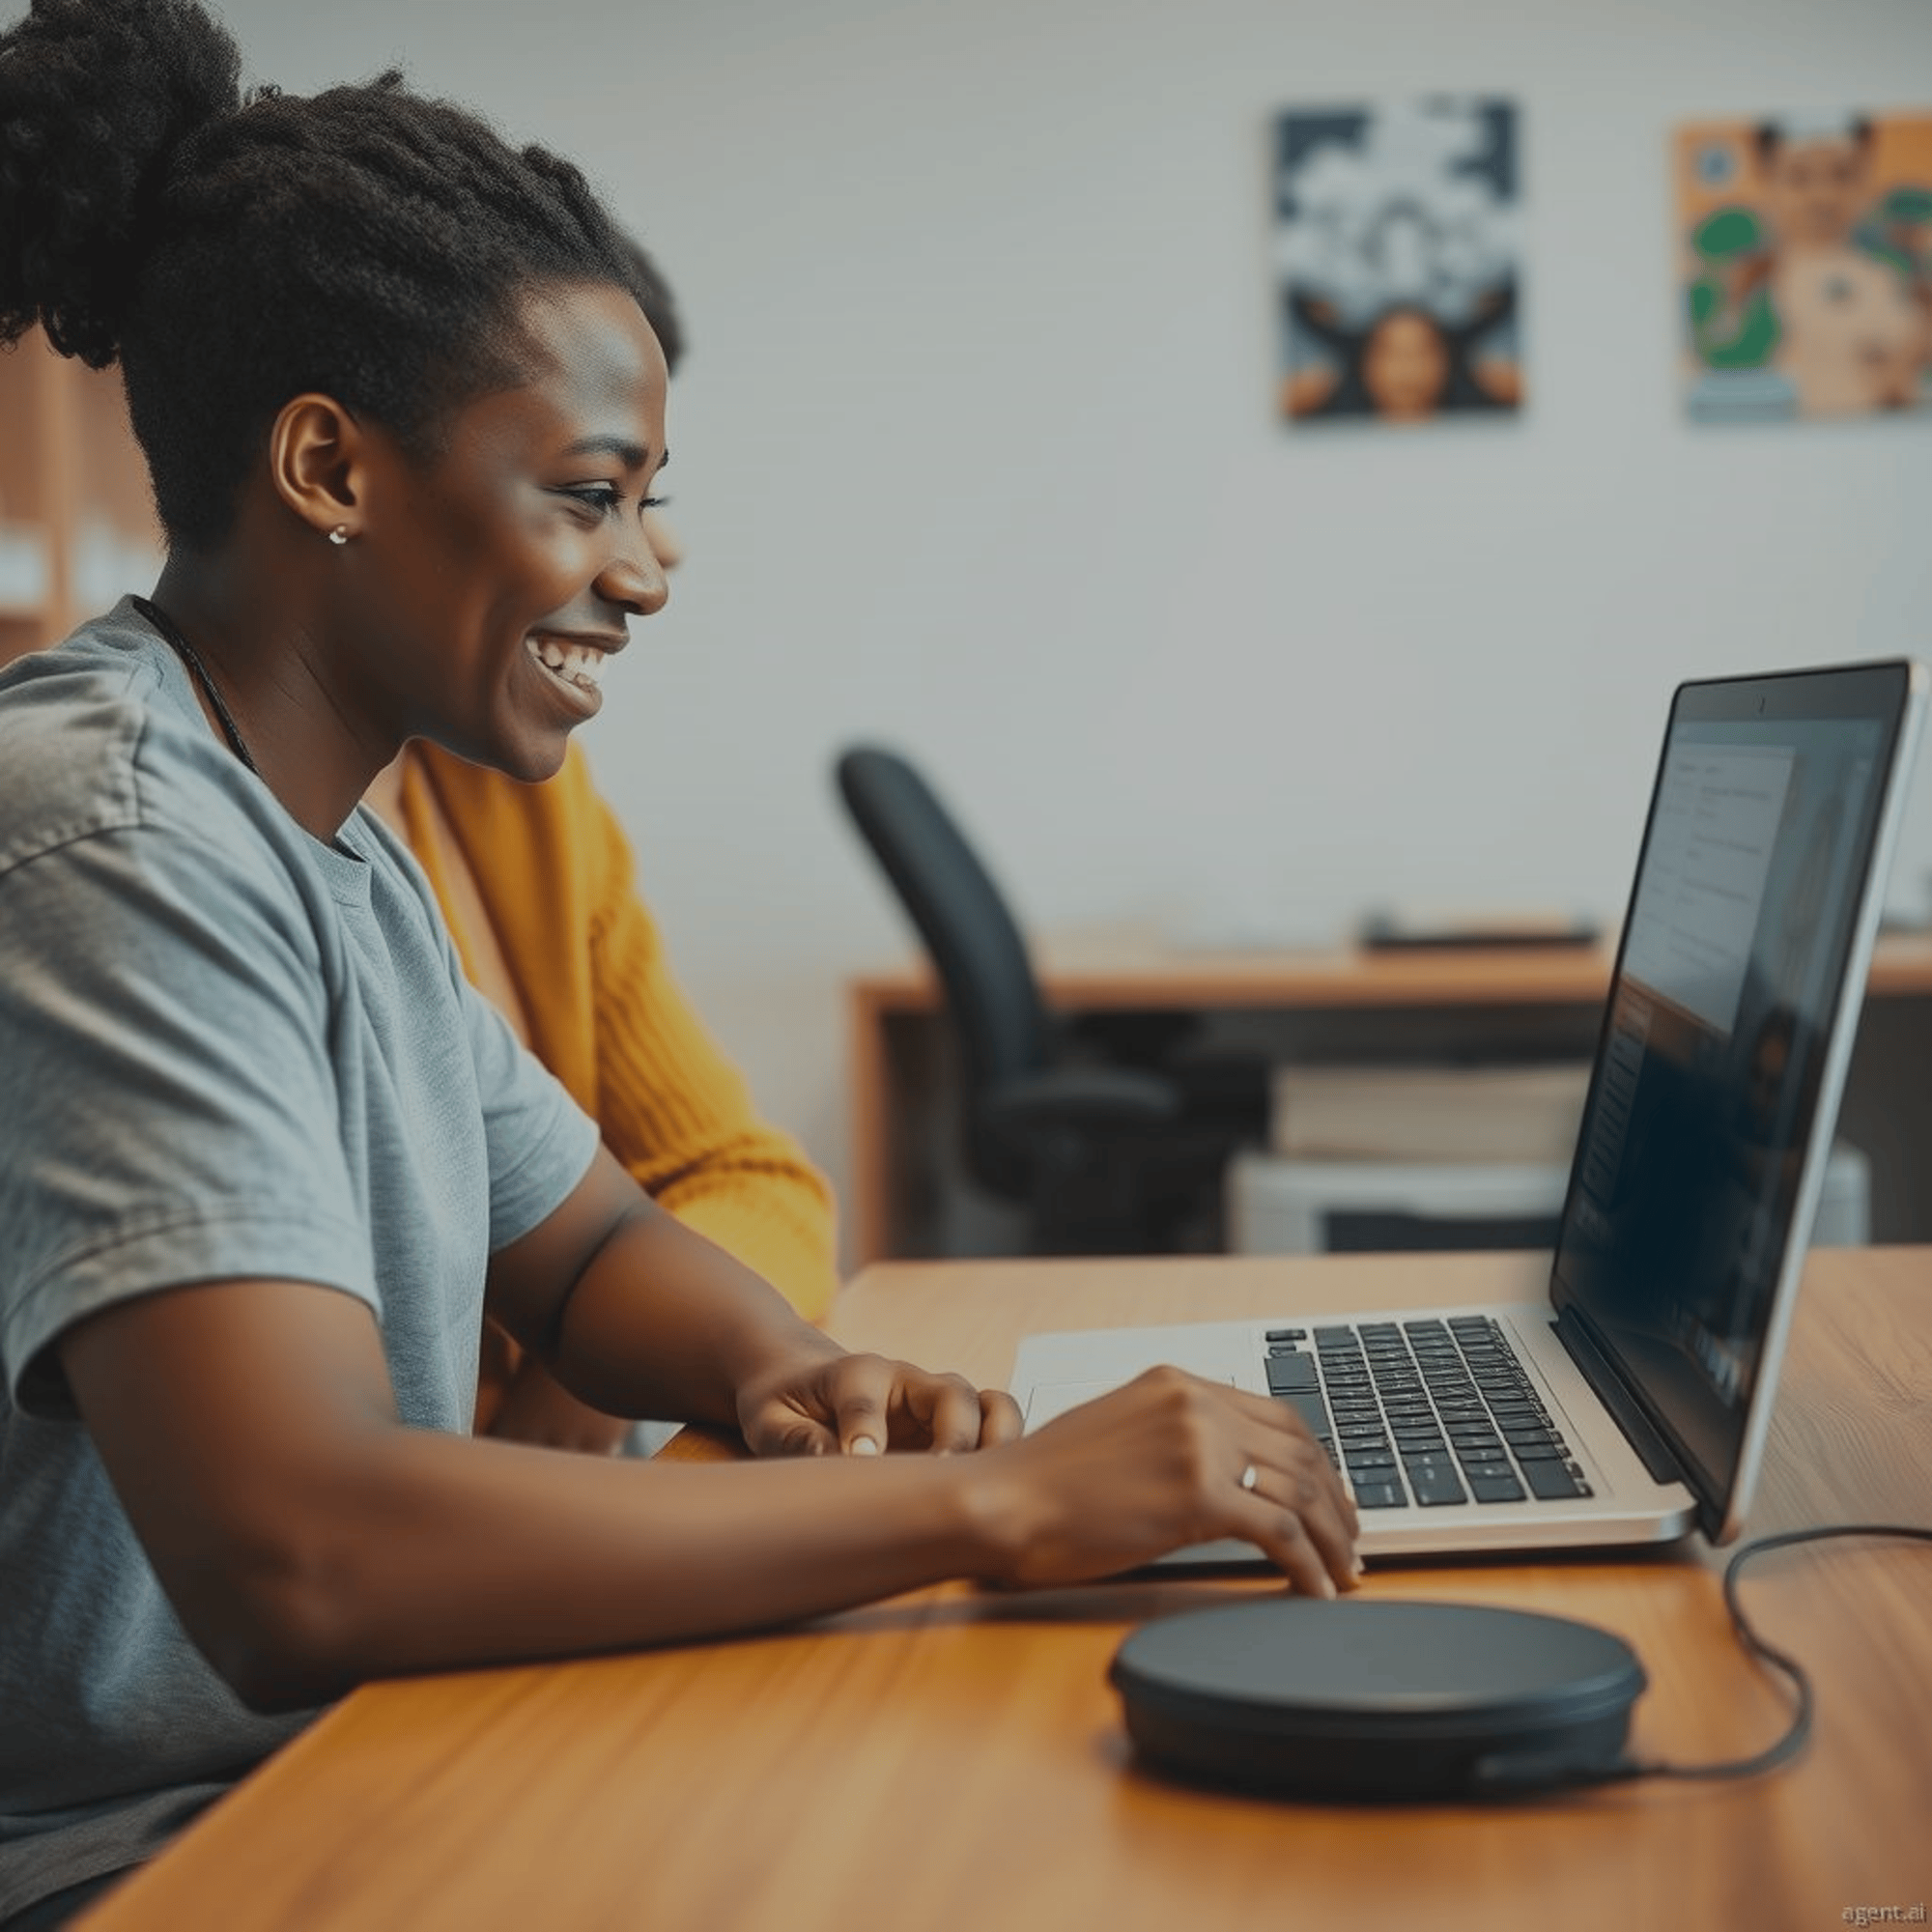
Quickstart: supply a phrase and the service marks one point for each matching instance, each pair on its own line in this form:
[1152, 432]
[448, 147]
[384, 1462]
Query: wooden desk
[1330, 1003]
[956, 1760]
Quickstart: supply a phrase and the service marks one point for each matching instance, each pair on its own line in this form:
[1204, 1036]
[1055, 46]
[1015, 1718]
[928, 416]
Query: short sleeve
[540, 1143]
[168, 1111]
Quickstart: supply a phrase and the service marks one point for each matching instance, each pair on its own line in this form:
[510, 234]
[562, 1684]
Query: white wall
[974, 451]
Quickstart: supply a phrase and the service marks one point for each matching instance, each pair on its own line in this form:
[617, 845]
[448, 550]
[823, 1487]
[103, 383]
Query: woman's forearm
[438, 1552]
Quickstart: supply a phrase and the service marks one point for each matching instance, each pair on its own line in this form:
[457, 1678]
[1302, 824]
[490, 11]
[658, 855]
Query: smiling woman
[266, 1159]
[540, 890]
[487, 584]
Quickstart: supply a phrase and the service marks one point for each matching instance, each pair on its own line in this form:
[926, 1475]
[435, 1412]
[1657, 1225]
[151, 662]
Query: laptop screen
[1747, 913]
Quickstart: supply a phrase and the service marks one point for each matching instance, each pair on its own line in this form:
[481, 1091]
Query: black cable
[191, 658]
[1787, 1746]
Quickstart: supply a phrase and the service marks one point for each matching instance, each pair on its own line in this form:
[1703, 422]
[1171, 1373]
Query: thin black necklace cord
[198, 671]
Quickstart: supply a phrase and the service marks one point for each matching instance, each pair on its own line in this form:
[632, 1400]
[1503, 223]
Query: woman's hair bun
[366, 242]
[97, 98]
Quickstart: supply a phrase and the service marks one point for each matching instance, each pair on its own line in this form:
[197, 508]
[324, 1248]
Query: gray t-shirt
[227, 1050]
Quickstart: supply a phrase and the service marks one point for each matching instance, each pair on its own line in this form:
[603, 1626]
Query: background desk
[953, 1761]
[1332, 1005]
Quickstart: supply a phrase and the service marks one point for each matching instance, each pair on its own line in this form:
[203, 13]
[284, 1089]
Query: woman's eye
[598, 497]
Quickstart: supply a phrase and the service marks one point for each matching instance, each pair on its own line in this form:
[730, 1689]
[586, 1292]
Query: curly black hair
[231, 250]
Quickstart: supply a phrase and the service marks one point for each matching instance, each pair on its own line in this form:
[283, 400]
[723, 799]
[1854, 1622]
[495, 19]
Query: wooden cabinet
[78, 527]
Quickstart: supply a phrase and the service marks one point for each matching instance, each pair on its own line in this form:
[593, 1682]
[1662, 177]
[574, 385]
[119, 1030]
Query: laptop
[1631, 1403]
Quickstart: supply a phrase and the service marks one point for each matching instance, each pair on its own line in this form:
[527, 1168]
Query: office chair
[1109, 1159]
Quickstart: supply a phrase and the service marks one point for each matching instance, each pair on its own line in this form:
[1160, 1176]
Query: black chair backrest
[977, 948]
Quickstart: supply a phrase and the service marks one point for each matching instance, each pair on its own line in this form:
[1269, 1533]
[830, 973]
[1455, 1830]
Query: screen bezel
[1890, 695]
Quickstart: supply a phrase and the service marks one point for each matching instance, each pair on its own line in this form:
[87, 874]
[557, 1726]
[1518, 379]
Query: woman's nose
[635, 579]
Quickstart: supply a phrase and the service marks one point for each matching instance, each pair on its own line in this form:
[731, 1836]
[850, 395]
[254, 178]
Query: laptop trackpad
[1051, 1399]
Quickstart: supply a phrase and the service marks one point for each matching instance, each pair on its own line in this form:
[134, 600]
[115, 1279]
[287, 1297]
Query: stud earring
[339, 534]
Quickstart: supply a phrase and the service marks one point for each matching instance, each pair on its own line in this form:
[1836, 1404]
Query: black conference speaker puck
[1356, 1699]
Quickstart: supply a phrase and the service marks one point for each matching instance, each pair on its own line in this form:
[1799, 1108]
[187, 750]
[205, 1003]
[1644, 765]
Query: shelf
[26, 575]
[78, 527]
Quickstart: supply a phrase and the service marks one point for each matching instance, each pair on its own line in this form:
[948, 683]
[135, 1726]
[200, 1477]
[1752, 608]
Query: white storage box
[1278, 1207]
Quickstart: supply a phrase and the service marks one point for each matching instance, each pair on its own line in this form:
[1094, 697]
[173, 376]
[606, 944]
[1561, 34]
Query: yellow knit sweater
[604, 1015]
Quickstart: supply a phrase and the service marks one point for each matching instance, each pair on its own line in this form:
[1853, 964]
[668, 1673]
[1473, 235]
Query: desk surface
[953, 1759]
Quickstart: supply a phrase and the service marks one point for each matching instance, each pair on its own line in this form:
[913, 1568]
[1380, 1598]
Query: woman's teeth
[574, 663]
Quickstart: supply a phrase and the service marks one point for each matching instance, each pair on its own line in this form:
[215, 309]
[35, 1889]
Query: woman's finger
[944, 1407]
[1288, 1541]
[862, 1390]
[999, 1418]
[1305, 1494]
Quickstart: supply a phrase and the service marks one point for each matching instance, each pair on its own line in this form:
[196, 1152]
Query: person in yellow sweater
[539, 888]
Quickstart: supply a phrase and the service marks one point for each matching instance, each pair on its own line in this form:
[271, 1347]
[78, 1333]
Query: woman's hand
[829, 1403]
[1159, 1464]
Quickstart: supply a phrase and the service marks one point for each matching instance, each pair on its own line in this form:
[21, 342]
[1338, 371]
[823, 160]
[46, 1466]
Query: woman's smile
[574, 668]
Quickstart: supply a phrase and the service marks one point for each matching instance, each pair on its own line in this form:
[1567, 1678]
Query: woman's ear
[316, 453]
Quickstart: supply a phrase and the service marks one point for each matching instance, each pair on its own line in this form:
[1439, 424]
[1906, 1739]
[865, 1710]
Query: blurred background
[977, 451]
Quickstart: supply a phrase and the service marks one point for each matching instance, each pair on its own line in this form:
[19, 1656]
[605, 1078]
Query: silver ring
[1250, 1477]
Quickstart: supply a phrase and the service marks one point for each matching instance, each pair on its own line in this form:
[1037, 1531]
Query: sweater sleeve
[556, 879]
[680, 1115]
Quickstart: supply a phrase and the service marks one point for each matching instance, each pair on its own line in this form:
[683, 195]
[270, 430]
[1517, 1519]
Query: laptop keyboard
[1431, 1411]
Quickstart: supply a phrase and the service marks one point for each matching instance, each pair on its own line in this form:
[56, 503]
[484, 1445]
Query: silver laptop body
[1641, 1391]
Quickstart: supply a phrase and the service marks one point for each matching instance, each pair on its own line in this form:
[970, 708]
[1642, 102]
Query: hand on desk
[1168, 1461]
[1164, 1463]
[835, 1404]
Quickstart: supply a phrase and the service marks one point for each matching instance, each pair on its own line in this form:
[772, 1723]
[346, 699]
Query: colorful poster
[1805, 266]
[1397, 256]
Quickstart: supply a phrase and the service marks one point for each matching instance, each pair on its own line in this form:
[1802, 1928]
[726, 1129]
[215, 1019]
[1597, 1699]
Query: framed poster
[1805, 266]
[1397, 273]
